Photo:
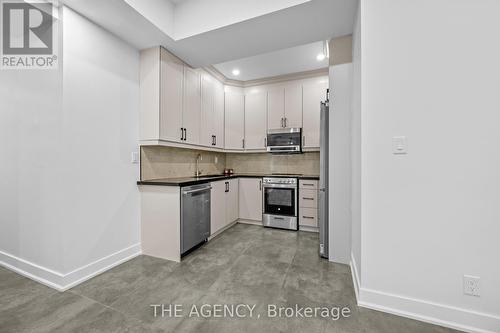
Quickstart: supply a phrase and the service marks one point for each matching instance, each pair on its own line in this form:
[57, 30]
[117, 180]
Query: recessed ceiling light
[236, 72]
[320, 57]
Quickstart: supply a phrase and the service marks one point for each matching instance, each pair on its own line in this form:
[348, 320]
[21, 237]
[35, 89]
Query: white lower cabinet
[250, 199]
[308, 204]
[232, 207]
[217, 206]
[223, 204]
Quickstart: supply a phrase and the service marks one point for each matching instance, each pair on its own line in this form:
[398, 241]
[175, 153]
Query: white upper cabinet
[275, 108]
[219, 115]
[208, 121]
[255, 120]
[234, 120]
[313, 95]
[284, 107]
[293, 106]
[191, 117]
[183, 107]
[172, 80]
[212, 112]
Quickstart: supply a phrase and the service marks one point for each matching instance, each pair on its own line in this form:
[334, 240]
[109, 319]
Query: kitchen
[254, 147]
[249, 166]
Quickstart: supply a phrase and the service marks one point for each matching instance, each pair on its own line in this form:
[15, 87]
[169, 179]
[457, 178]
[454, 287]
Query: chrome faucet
[198, 171]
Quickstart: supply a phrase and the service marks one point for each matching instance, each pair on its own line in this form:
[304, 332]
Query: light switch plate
[135, 157]
[399, 145]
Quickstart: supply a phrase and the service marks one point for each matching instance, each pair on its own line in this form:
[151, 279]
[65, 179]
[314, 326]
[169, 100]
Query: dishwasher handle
[197, 190]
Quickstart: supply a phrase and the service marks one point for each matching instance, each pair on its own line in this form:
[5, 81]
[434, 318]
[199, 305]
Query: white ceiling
[279, 29]
[292, 60]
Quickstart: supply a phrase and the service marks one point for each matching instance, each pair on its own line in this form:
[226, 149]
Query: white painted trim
[355, 277]
[267, 80]
[35, 272]
[61, 281]
[422, 310]
[430, 312]
[221, 230]
[253, 222]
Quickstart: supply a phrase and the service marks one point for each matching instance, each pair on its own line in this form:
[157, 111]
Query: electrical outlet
[471, 285]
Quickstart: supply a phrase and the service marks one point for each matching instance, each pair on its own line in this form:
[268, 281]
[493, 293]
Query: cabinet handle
[265, 142]
[260, 185]
[182, 134]
[242, 143]
[306, 198]
[307, 217]
[307, 184]
[286, 120]
[282, 122]
[304, 140]
[185, 134]
[215, 140]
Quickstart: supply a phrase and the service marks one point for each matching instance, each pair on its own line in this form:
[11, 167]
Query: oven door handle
[292, 187]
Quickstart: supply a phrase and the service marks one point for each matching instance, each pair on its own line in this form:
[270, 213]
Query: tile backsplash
[306, 163]
[167, 162]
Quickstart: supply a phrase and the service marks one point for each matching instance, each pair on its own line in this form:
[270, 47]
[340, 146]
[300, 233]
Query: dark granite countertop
[188, 181]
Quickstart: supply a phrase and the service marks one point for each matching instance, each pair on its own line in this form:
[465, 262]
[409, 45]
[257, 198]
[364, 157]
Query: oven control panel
[276, 180]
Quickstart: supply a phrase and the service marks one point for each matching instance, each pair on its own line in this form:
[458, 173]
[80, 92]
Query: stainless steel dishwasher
[195, 216]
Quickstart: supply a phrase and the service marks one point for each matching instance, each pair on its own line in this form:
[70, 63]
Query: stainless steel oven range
[279, 200]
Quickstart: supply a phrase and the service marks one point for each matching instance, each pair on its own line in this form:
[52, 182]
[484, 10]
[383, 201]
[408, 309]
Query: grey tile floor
[245, 264]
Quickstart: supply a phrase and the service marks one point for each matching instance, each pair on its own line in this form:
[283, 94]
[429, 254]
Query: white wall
[101, 103]
[431, 72]
[30, 132]
[356, 151]
[69, 202]
[340, 164]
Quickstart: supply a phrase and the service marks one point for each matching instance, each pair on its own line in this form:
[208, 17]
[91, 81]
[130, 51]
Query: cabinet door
[293, 106]
[232, 210]
[275, 108]
[250, 199]
[207, 132]
[172, 78]
[219, 115]
[217, 206]
[234, 120]
[191, 116]
[314, 94]
[255, 120]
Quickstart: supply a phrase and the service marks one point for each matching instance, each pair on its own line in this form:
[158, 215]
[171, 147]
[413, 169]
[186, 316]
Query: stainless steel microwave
[284, 140]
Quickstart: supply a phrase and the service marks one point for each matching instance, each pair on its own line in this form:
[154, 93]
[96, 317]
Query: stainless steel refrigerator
[323, 178]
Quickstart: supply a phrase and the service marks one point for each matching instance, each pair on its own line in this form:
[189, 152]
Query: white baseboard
[222, 230]
[422, 310]
[355, 276]
[434, 313]
[65, 281]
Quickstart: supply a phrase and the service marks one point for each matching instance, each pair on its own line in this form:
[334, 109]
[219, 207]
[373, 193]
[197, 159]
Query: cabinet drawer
[308, 184]
[308, 217]
[308, 198]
